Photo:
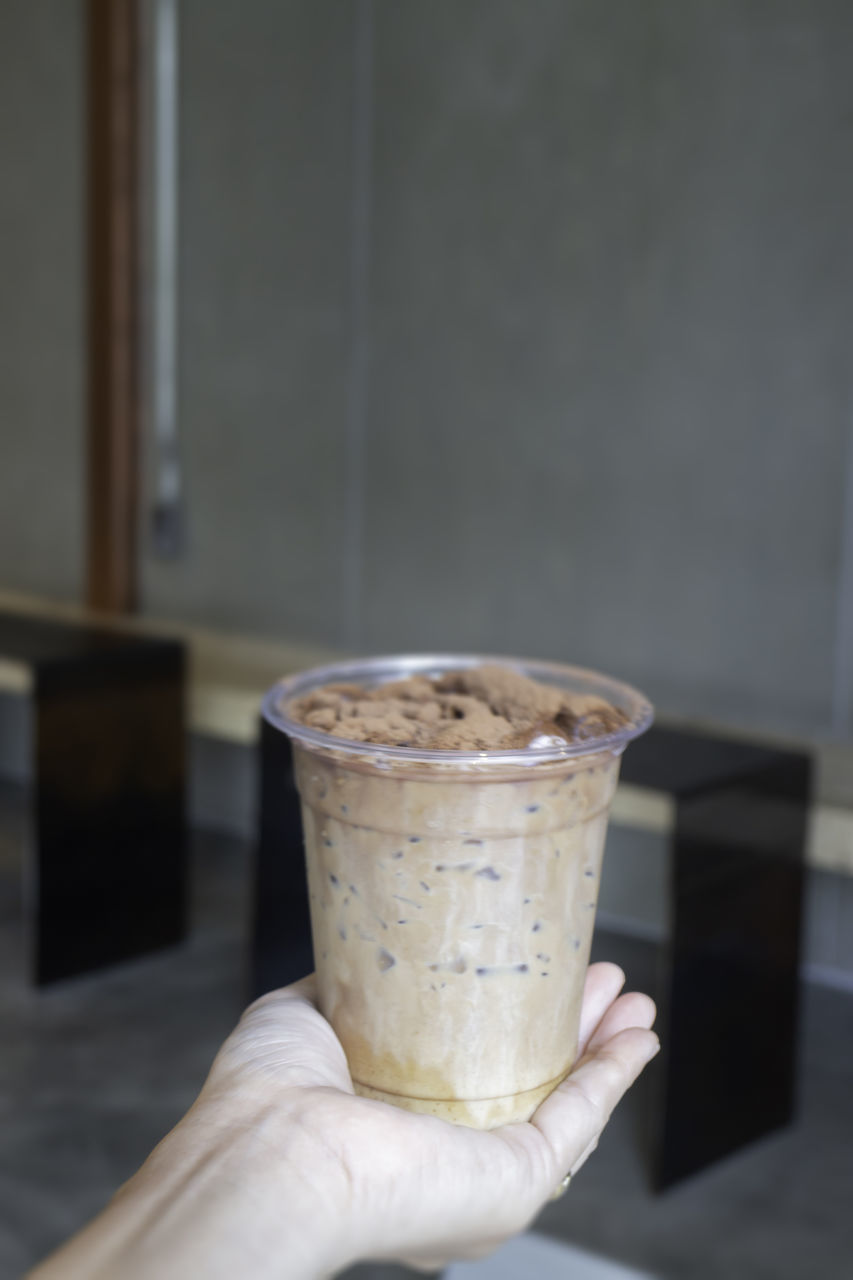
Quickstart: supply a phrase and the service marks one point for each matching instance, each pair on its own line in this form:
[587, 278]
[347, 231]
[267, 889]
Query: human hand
[280, 1170]
[411, 1188]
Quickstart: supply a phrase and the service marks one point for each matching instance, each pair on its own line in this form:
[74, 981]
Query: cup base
[475, 1113]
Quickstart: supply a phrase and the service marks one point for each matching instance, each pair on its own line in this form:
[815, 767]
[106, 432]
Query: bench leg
[281, 936]
[107, 877]
[726, 1075]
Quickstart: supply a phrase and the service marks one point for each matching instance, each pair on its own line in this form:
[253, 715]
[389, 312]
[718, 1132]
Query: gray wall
[41, 297]
[611, 327]
[263, 287]
[601, 296]
[608, 321]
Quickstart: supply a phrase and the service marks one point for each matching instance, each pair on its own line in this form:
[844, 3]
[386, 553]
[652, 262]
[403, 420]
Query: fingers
[427, 1267]
[603, 984]
[631, 1010]
[584, 1156]
[604, 1015]
[572, 1118]
[304, 991]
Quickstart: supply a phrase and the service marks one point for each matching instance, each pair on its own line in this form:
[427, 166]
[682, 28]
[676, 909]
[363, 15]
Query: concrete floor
[95, 1070]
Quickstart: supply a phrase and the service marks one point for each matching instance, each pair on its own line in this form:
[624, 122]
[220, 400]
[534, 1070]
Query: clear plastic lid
[372, 672]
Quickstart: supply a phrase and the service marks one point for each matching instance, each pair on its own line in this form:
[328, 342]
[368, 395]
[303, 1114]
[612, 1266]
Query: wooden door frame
[113, 313]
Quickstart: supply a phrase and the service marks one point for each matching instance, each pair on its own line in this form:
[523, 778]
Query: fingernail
[654, 1050]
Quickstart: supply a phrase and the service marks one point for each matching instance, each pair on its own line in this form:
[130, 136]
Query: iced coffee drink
[454, 814]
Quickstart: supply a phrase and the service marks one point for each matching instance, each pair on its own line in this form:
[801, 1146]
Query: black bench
[106, 868]
[728, 972]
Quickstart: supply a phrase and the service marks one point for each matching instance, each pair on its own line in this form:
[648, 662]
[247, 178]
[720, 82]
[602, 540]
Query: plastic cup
[453, 896]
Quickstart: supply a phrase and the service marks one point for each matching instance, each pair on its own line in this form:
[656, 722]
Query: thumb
[285, 1040]
[572, 1118]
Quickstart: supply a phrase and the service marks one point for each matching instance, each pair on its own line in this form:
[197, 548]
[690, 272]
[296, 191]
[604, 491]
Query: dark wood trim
[113, 311]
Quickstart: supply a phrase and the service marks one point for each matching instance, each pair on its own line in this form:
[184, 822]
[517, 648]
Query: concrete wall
[524, 327]
[605, 306]
[41, 297]
[266, 91]
[611, 331]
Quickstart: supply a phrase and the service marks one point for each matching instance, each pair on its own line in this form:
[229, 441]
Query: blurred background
[521, 326]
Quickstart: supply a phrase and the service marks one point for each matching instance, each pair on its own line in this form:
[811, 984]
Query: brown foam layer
[490, 707]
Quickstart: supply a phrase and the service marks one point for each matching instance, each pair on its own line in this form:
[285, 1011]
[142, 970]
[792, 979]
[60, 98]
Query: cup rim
[379, 670]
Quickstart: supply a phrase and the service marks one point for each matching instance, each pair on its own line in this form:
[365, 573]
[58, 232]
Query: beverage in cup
[454, 812]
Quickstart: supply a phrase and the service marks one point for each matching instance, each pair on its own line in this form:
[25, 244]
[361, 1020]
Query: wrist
[228, 1182]
[223, 1194]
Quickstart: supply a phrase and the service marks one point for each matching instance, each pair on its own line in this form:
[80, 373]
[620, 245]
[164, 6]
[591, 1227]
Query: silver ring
[563, 1187]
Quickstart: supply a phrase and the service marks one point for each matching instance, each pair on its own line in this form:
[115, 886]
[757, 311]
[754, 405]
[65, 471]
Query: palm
[427, 1189]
